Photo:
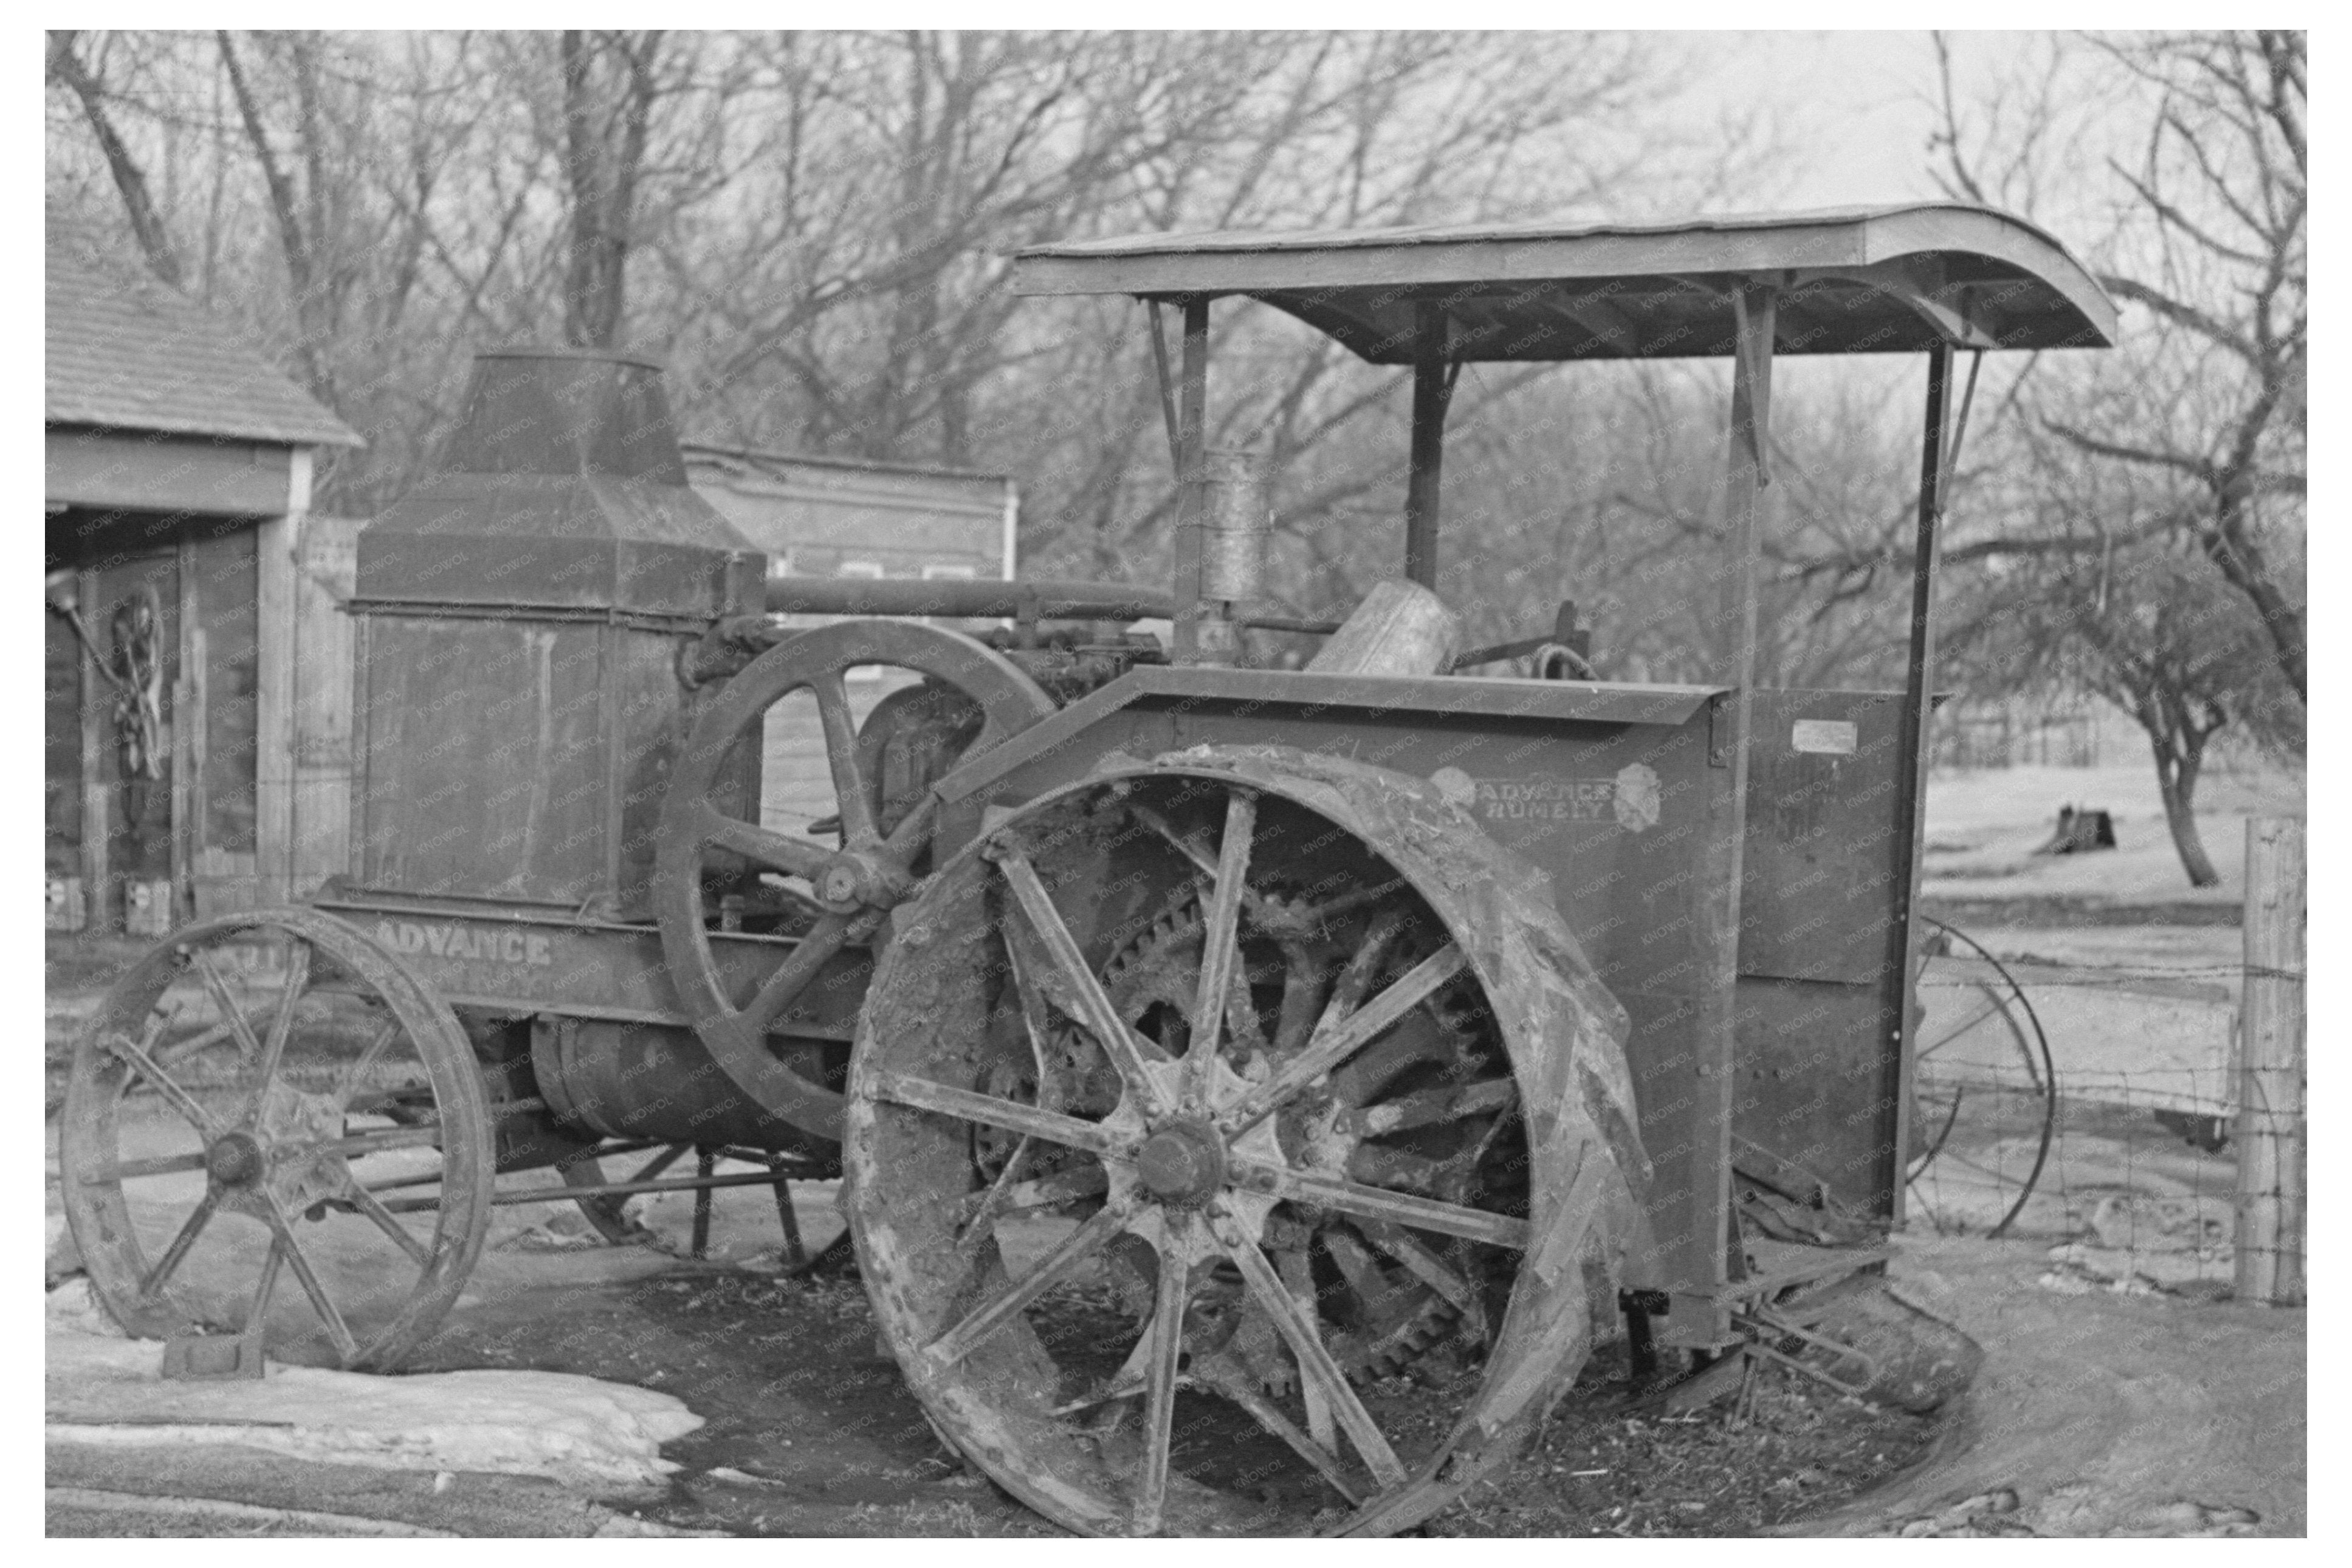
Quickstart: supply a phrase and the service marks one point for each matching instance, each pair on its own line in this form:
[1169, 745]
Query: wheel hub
[1184, 1163]
[236, 1159]
[855, 879]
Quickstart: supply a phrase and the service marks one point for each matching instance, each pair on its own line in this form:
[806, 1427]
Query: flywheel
[1198, 1101]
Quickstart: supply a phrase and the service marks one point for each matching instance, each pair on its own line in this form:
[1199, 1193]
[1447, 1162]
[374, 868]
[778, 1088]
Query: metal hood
[564, 488]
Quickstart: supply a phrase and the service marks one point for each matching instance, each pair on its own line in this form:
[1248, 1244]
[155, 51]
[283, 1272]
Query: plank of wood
[277, 634]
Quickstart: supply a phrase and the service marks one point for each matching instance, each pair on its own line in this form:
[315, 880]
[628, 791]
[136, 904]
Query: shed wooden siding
[813, 516]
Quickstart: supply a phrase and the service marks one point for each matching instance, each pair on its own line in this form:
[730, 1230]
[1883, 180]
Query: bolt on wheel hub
[1182, 1164]
[235, 1160]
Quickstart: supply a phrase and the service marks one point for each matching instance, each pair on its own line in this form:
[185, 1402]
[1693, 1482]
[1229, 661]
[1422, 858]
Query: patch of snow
[73, 1308]
[601, 1437]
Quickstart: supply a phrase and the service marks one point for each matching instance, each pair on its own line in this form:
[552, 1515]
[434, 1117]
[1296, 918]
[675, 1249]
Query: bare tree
[67, 67]
[813, 226]
[2211, 386]
[2150, 628]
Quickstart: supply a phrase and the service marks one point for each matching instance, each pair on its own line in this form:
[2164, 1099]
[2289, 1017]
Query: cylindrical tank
[1236, 518]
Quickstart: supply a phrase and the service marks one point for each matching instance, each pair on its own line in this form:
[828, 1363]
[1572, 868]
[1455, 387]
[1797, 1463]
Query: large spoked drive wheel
[273, 1129]
[881, 841]
[1238, 1143]
[1984, 1090]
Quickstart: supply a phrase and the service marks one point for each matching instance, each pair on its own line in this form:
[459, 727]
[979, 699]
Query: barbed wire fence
[2145, 1119]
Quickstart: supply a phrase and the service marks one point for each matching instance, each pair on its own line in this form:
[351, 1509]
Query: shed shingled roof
[126, 352]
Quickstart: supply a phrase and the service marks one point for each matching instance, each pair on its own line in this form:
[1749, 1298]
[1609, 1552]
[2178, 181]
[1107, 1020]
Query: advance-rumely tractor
[1255, 1087]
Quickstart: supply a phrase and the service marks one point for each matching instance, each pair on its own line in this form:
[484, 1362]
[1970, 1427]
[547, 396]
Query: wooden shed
[197, 671]
[828, 517]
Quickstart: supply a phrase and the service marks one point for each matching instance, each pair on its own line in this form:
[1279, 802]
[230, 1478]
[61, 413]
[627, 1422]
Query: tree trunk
[129, 180]
[2176, 781]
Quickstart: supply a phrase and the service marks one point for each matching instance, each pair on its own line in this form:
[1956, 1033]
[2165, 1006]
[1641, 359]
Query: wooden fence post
[2270, 1132]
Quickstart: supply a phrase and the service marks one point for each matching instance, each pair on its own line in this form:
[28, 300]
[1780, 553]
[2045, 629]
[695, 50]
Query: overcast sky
[1857, 105]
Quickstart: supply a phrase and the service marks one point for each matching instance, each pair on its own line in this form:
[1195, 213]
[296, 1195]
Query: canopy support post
[1926, 550]
[1193, 408]
[1432, 389]
[1707, 1249]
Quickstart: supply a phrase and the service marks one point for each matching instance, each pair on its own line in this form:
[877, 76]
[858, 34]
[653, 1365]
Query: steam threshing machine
[1254, 1088]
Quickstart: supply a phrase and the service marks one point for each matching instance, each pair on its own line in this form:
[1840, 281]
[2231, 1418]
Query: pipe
[964, 598]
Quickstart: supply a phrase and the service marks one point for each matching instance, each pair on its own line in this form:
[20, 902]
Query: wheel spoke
[1000, 1308]
[1356, 979]
[1431, 1105]
[202, 1039]
[841, 757]
[1391, 1168]
[1290, 1268]
[1302, 989]
[231, 1014]
[1954, 1034]
[387, 1222]
[1362, 1202]
[257, 1313]
[1167, 1335]
[312, 1286]
[1220, 944]
[1424, 1265]
[178, 1099]
[1315, 1362]
[356, 1145]
[790, 977]
[281, 1024]
[1010, 1115]
[992, 1202]
[178, 1250]
[1086, 1000]
[777, 851]
[1211, 1374]
[1333, 1045]
[914, 830]
[131, 1170]
[1061, 1187]
[1332, 909]
[364, 1063]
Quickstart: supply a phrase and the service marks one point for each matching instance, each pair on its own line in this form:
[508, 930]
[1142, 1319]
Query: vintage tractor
[1256, 1088]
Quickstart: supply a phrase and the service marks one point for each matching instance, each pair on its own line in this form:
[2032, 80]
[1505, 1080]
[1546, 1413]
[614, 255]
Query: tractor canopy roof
[1880, 280]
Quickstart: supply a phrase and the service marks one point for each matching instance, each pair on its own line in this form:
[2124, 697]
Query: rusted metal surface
[1865, 280]
[514, 958]
[521, 615]
[1107, 901]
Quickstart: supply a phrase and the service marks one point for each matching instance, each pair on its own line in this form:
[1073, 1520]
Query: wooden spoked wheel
[272, 1128]
[851, 883]
[1984, 1088]
[1188, 1166]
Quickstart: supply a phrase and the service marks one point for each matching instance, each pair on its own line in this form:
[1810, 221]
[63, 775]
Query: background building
[191, 651]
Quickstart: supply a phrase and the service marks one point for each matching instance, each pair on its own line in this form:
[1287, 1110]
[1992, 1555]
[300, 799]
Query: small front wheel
[273, 1129]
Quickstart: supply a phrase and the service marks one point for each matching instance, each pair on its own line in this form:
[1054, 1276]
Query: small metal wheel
[1196, 1136]
[1984, 1090]
[254, 1115]
[883, 837]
